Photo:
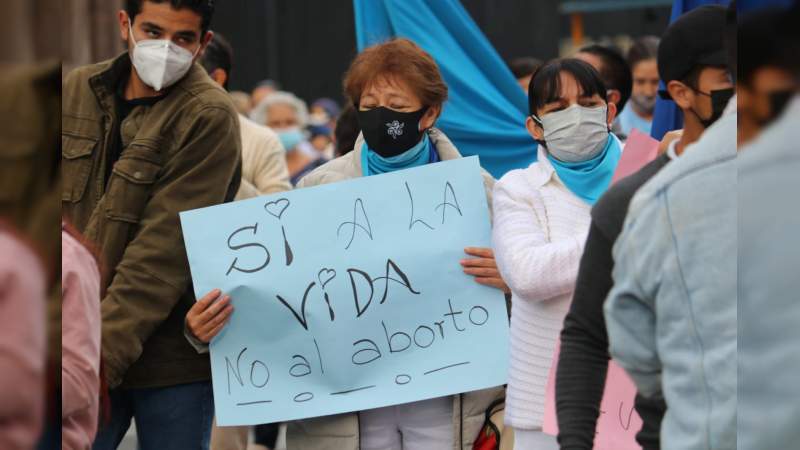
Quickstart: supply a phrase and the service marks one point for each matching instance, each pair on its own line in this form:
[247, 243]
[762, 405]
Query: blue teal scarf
[590, 179]
[418, 155]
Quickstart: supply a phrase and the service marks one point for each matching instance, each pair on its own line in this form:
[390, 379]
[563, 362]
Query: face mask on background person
[645, 104]
[290, 137]
[390, 133]
[160, 63]
[318, 119]
[577, 133]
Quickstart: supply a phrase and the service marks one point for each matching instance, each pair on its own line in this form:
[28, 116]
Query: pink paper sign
[618, 422]
[639, 150]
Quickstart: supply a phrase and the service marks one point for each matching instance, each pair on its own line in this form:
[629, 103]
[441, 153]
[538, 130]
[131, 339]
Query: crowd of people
[643, 270]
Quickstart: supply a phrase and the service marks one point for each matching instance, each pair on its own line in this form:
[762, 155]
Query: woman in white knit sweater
[541, 218]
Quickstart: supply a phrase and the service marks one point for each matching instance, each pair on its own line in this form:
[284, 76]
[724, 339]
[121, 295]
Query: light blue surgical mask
[290, 137]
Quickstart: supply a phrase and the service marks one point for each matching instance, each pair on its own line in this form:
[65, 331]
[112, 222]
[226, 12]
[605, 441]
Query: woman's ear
[534, 129]
[612, 113]
[429, 118]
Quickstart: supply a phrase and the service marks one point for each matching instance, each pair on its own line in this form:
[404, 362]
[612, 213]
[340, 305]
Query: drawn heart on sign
[277, 208]
[325, 276]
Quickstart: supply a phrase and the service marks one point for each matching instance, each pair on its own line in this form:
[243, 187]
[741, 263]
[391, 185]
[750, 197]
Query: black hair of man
[218, 55]
[791, 31]
[769, 37]
[643, 48]
[545, 85]
[522, 67]
[765, 38]
[204, 8]
[731, 33]
[616, 73]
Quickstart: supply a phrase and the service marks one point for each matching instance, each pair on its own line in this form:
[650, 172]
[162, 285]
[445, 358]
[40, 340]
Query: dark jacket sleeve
[584, 356]
[583, 360]
[153, 273]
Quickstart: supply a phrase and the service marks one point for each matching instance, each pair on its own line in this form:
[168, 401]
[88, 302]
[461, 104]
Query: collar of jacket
[442, 144]
[541, 170]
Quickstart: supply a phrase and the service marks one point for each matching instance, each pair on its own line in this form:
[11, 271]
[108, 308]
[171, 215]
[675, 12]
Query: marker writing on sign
[358, 279]
[276, 210]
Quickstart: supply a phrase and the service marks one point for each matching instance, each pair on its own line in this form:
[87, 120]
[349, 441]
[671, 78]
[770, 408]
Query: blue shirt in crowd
[628, 120]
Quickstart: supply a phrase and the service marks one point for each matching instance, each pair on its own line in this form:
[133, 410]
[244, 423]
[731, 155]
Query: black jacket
[583, 361]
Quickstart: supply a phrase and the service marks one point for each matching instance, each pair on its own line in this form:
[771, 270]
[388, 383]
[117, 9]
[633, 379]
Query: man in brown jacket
[146, 136]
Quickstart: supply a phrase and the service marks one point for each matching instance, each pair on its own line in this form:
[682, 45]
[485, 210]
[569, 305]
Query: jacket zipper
[461, 421]
[358, 429]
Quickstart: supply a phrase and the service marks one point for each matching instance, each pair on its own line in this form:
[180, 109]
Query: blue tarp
[486, 111]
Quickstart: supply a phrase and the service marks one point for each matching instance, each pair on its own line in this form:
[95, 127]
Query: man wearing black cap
[671, 315]
[583, 360]
[692, 62]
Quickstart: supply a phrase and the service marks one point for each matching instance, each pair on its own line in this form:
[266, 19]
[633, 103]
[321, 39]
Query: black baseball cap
[695, 39]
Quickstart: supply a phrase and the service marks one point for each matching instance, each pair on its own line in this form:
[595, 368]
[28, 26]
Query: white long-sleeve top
[539, 232]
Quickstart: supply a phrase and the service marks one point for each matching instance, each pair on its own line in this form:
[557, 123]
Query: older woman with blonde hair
[399, 84]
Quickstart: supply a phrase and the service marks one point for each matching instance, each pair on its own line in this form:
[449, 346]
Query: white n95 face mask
[160, 63]
[577, 133]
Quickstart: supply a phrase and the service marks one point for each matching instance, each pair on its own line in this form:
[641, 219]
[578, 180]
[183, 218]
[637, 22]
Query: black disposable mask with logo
[390, 133]
[719, 100]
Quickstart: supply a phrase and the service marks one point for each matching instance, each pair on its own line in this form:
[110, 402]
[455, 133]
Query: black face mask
[777, 103]
[390, 133]
[719, 100]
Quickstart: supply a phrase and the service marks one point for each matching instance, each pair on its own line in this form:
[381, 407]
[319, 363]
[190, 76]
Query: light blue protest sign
[350, 296]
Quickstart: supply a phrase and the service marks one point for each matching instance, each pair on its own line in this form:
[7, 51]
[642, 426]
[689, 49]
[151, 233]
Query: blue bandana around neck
[589, 179]
[418, 155]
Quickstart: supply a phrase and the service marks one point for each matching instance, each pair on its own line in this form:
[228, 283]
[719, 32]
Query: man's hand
[668, 138]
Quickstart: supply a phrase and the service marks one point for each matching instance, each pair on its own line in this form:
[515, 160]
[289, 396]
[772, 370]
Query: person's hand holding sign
[209, 315]
[484, 268]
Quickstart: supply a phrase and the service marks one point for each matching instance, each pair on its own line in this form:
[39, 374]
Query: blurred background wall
[20, 42]
[306, 45]
[89, 31]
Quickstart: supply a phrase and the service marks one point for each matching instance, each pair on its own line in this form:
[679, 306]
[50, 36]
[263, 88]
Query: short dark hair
[347, 129]
[616, 73]
[545, 85]
[767, 39]
[205, 8]
[692, 79]
[644, 48]
[522, 67]
[730, 38]
[218, 55]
